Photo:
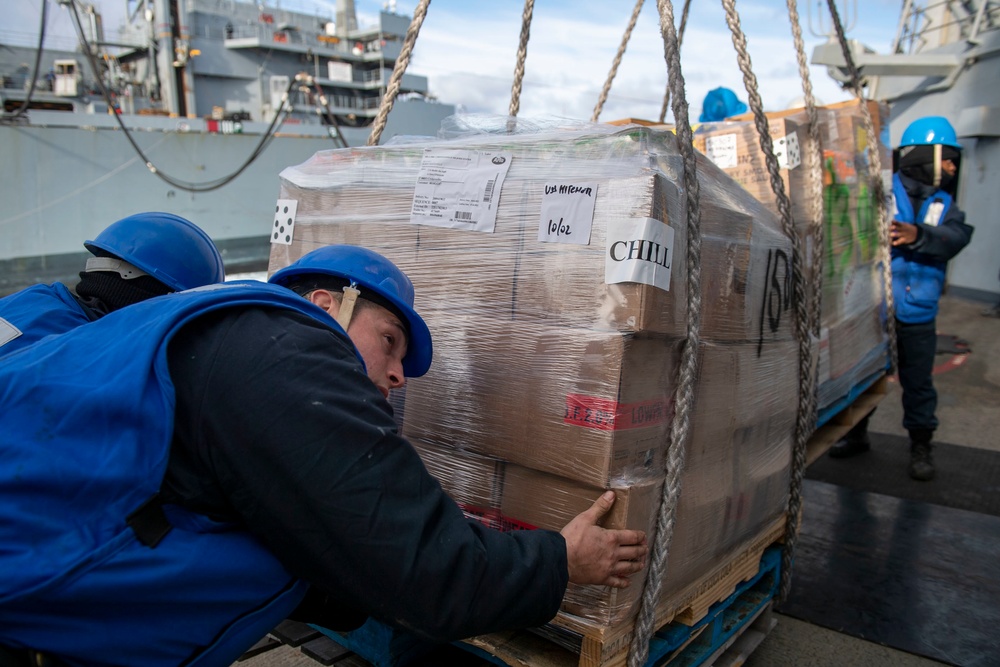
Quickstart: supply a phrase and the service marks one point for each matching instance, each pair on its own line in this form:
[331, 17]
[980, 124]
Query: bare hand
[902, 233]
[601, 556]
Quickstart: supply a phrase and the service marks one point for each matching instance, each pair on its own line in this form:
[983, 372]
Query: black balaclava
[917, 162]
[106, 291]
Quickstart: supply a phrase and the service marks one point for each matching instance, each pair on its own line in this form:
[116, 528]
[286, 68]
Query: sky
[468, 49]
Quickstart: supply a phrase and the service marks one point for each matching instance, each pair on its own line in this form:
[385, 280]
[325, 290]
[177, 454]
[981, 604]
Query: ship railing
[941, 22]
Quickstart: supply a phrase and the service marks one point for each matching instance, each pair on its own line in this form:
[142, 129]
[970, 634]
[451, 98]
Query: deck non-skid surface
[916, 576]
[967, 478]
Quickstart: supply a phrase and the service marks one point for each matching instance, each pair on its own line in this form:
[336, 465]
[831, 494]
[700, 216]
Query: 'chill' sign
[640, 250]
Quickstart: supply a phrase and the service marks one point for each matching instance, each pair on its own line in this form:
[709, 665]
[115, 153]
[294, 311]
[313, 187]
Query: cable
[4, 117]
[266, 138]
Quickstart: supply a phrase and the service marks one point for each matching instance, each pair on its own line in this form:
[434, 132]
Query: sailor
[222, 452]
[135, 258]
[928, 229]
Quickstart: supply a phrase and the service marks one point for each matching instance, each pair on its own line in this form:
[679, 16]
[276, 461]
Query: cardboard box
[587, 405]
[550, 502]
[364, 198]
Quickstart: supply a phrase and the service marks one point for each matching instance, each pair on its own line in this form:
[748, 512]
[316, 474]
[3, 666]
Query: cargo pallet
[834, 421]
[725, 613]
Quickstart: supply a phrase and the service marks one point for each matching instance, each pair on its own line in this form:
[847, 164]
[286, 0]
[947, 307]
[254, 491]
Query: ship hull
[67, 176]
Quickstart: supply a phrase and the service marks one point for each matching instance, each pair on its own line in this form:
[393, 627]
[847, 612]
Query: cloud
[468, 51]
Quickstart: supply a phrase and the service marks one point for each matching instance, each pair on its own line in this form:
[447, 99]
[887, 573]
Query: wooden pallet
[837, 427]
[569, 641]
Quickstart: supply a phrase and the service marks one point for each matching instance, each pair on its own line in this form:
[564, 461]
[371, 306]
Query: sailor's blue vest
[36, 312]
[917, 281]
[87, 426]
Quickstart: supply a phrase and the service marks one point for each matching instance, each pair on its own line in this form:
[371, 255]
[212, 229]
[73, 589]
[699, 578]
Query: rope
[807, 376]
[875, 175]
[804, 422]
[814, 166]
[522, 54]
[402, 62]
[617, 61]
[684, 393]
[680, 41]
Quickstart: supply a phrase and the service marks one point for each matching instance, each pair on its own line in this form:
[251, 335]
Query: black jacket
[278, 427]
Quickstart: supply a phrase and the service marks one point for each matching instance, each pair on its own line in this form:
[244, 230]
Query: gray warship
[197, 106]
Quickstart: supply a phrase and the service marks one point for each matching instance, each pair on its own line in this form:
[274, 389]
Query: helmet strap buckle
[346, 312]
[119, 266]
[937, 165]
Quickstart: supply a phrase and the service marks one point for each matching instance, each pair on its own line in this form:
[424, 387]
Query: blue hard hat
[168, 247]
[369, 270]
[719, 104]
[928, 131]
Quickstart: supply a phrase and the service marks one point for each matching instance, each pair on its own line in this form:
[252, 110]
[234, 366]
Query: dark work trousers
[916, 346]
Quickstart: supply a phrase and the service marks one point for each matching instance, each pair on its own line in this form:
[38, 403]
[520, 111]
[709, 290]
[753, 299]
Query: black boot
[855, 442]
[921, 459]
[852, 445]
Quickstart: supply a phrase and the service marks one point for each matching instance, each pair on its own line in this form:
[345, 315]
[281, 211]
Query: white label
[787, 150]
[640, 250]
[8, 332]
[721, 150]
[337, 71]
[459, 189]
[934, 212]
[284, 221]
[567, 214]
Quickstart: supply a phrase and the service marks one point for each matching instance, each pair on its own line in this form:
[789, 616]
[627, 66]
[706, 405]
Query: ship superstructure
[194, 90]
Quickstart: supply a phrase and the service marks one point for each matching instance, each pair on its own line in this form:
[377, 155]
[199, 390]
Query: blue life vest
[917, 281]
[36, 312]
[87, 425]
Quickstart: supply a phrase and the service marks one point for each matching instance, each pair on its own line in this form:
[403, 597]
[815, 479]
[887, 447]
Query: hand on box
[597, 555]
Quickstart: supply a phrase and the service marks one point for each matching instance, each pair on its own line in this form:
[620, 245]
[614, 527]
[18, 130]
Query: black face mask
[104, 291]
[917, 162]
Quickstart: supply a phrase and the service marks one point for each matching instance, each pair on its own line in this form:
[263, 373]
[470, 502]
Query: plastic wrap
[853, 343]
[554, 373]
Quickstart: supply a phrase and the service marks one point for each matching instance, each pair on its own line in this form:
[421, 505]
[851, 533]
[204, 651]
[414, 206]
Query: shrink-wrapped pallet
[550, 268]
[853, 343]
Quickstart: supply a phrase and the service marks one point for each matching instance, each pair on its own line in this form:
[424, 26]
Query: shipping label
[567, 214]
[605, 414]
[459, 189]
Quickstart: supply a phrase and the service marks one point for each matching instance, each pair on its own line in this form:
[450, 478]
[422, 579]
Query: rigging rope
[875, 175]
[680, 42]
[814, 167]
[808, 399]
[402, 62]
[684, 393]
[603, 97]
[805, 422]
[522, 54]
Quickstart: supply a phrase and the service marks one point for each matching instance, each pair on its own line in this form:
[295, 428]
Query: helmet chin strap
[351, 294]
[119, 266]
[937, 165]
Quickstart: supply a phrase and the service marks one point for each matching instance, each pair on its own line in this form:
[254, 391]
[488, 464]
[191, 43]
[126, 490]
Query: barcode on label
[488, 195]
[463, 215]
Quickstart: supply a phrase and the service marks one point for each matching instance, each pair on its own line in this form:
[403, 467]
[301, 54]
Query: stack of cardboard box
[853, 343]
[554, 371]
